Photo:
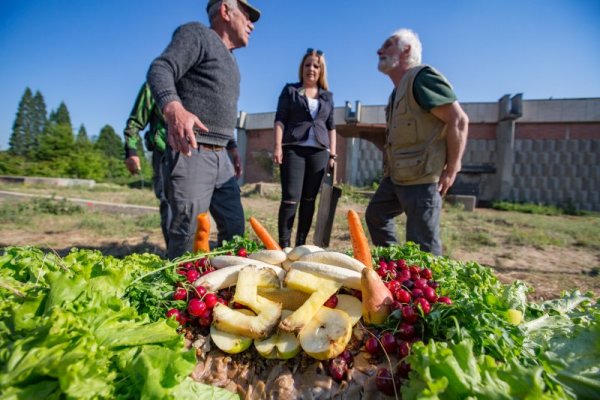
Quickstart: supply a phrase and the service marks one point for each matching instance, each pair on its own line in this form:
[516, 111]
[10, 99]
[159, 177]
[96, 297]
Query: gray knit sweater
[199, 71]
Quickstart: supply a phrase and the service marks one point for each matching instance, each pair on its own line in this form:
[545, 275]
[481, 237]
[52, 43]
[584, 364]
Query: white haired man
[196, 84]
[425, 139]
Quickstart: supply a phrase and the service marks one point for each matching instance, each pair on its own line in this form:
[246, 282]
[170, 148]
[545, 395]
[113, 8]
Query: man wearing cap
[196, 84]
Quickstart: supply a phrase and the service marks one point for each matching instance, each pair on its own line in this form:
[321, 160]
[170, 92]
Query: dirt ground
[548, 271]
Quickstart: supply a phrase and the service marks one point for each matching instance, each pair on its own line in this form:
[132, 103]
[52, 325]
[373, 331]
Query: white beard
[388, 63]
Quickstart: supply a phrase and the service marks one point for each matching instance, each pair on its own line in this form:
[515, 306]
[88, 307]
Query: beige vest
[415, 149]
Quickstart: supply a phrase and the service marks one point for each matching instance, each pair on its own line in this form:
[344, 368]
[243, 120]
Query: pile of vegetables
[88, 326]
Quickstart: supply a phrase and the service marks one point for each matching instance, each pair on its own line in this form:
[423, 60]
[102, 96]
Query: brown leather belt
[211, 147]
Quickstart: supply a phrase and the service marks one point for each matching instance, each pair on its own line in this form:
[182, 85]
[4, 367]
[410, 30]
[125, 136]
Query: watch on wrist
[333, 156]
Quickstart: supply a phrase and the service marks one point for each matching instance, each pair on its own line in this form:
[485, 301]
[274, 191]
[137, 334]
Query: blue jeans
[422, 205]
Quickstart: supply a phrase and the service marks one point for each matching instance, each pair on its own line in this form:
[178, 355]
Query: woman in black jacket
[304, 144]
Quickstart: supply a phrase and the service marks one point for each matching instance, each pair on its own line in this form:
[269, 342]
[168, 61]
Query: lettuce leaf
[443, 371]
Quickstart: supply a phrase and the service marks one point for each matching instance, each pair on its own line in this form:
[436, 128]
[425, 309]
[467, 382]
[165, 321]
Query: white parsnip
[275, 257]
[219, 262]
[228, 276]
[300, 251]
[334, 258]
[346, 277]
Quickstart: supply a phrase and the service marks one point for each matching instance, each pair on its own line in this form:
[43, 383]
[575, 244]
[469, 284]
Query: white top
[311, 141]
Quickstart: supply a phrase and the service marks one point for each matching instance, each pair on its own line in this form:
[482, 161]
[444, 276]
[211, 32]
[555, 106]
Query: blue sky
[93, 55]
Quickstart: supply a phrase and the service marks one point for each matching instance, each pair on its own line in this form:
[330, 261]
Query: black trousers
[302, 171]
[422, 205]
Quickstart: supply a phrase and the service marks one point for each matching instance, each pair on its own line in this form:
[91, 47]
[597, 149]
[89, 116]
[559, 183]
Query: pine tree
[82, 139]
[57, 141]
[21, 139]
[39, 116]
[109, 143]
[61, 116]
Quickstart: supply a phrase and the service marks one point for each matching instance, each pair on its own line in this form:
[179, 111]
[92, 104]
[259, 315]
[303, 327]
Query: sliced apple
[327, 334]
[268, 312]
[290, 299]
[351, 306]
[320, 290]
[281, 345]
[250, 278]
[230, 342]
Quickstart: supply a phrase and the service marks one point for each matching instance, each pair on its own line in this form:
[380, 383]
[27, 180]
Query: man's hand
[446, 181]
[237, 163]
[181, 124]
[133, 164]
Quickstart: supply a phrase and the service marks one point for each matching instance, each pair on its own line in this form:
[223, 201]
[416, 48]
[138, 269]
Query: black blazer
[293, 113]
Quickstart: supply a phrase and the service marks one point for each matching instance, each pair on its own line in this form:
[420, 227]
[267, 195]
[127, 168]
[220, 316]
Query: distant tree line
[45, 145]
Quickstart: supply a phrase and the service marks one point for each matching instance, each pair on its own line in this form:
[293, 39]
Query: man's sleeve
[431, 89]
[181, 54]
[137, 121]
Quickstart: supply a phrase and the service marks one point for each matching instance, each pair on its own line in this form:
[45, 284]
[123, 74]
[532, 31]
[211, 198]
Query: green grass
[481, 229]
[108, 192]
[460, 229]
[25, 212]
[126, 225]
[61, 215]
[541, 209]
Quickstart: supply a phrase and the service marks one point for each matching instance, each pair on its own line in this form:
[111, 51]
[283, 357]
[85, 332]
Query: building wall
[554, 152]
[259, 156]
[557, 164]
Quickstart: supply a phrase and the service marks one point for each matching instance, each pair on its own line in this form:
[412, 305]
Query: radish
[210, 299]
[180, 294]
[388, 342]
[423, 304]
[196, 307]
[402, 296]
[192, 275]
[430, 295]
[331, 302]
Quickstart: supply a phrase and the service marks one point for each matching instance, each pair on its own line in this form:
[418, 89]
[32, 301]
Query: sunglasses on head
[311, 50]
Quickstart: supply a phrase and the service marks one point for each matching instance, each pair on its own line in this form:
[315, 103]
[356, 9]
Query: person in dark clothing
[196, 84]
[146, 113]
[305, 142]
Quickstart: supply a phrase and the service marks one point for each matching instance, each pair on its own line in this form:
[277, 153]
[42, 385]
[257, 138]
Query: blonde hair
[322, 81]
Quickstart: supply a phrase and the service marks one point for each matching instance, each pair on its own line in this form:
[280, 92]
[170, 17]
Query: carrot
[360, 243]
[264, 235]
[202, 233]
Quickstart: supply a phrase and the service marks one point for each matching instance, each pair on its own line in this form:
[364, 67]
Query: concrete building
[534, 151]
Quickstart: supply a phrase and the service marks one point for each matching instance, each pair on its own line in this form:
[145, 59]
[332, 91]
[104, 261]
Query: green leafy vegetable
[67, 330]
